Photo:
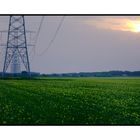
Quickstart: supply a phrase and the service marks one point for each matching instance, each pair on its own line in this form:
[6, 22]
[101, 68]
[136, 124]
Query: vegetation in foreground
[70, 101]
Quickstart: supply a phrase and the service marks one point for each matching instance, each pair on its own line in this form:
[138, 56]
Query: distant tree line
[97, 74]
[22, 74]
[80, 74]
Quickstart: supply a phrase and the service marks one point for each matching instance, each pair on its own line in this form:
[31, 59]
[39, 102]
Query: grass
[70, 101]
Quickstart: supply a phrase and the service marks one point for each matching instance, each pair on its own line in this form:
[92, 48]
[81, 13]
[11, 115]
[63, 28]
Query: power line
[37, 35]
[39, 29]
[54, 37]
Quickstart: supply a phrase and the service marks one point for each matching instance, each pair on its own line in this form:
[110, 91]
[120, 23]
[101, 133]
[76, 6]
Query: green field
[70, 101]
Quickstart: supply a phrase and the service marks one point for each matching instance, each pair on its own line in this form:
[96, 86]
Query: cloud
[115, 23]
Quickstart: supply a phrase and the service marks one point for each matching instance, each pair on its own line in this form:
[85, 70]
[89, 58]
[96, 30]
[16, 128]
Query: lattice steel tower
[16, 50]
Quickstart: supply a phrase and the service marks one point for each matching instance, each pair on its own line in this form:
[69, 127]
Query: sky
[83, 43]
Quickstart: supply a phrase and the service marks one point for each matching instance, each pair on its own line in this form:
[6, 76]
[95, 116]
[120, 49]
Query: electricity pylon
[16, 48]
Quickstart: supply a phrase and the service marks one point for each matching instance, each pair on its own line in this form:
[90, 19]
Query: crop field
[70, 101]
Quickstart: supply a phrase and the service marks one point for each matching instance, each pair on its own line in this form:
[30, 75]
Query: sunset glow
[137, 27]
[115, 23]
[133, 26]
